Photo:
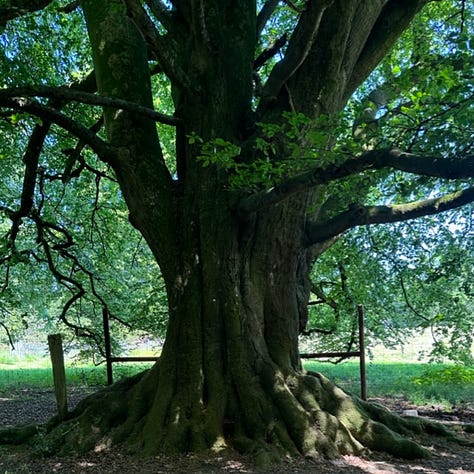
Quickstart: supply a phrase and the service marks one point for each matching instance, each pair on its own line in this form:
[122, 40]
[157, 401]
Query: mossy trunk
[229, 375]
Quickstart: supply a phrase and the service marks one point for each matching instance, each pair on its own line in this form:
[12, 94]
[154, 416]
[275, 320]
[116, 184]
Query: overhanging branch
[10, 338]
[358, 215]
[265, 14]
[11, 9]
[31, 159]
[434, 166]
[68, 94]
[99, 146]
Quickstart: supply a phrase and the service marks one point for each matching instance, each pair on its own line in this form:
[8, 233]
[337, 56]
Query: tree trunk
[229, 374]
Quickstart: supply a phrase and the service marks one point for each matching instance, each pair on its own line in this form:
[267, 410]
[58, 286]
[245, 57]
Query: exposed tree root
[304, 414]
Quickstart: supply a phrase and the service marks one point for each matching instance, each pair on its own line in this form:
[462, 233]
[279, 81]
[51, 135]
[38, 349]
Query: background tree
[272, 162]
[412, 278]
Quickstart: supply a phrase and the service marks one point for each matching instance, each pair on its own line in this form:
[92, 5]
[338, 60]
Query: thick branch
[392, 22]
[358, 215]
[265, 14]
[162, 47]
[99, 146]
[11, 9]
[298, 47]
[66, 93]
[434, 166]
[31, 159]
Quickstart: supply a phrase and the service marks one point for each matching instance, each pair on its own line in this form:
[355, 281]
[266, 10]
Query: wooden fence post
[108, 349]
[59, 374]
[360, 353]
[363, 378]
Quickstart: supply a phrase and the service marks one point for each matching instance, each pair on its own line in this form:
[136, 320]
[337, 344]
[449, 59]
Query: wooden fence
[315, 355]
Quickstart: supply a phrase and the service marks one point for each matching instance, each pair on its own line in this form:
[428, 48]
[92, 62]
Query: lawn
[419, 383]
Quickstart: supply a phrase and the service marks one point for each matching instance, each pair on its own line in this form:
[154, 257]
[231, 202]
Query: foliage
[408, 276]
[415, 276]
[450, 375]
[92, 243]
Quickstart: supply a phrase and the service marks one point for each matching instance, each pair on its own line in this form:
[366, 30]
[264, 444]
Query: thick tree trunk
[223, 382]
[229, 374]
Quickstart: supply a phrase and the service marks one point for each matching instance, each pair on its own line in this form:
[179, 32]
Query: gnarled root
[300, 414]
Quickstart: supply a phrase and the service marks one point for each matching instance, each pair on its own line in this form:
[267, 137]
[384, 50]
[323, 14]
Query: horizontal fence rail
[109, 359]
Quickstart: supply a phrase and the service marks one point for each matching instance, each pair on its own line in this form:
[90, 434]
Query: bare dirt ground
[28, 406]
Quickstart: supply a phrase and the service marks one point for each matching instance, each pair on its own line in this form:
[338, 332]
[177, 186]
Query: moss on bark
[304, 414]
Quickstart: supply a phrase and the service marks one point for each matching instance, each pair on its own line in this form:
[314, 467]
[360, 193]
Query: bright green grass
[414, 382]
[41, 377]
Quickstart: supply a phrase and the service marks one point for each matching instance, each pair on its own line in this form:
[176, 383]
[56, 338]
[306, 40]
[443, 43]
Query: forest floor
[38, 405]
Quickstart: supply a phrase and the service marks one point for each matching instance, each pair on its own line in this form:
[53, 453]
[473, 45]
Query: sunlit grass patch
[419, 383]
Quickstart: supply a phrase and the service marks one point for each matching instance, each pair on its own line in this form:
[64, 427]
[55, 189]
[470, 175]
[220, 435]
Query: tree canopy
[244, 142]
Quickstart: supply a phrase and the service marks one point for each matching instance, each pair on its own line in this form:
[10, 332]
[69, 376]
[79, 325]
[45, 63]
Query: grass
[13, 377]
[418, 383]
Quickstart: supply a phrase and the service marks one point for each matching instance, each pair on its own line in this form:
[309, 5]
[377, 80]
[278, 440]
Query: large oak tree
[237, 216]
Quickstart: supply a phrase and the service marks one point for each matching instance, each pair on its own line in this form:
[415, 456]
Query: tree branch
[11, 9]
[434, 166]
[393, 21]
[298, 47]
[69, 94]
[408, 303]
[358, 215]
[317, 289]
[161, 13]
[46, 235]
[162, 47]
[106, 152]
[31, 159]
[269, 52]
[74, 155]
[70, 7]
[265, 14]
[10, 339]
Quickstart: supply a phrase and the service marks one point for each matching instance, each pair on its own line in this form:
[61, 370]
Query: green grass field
[418, 383]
